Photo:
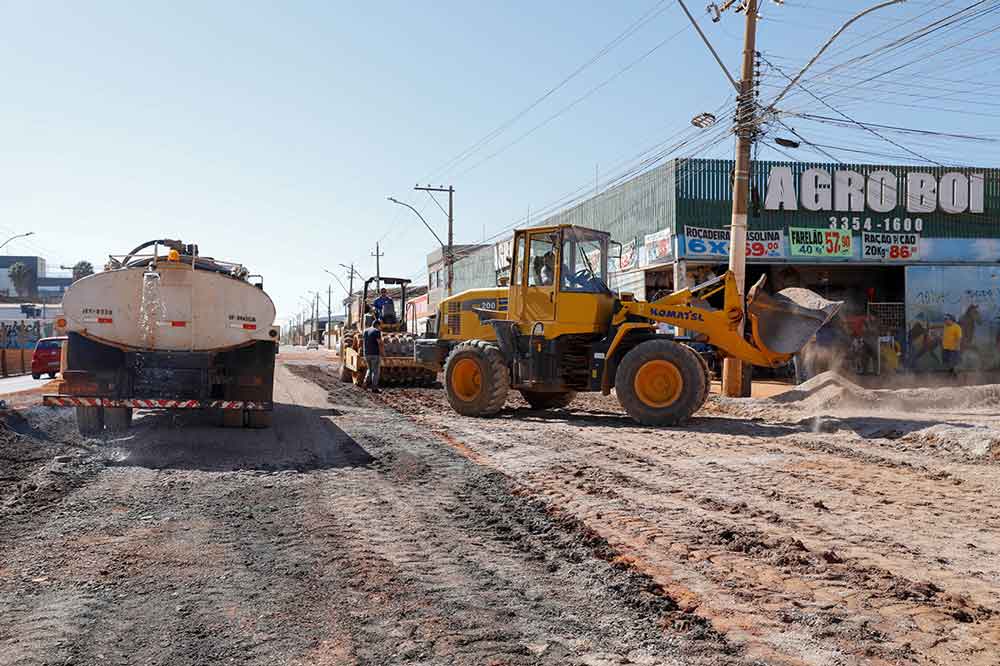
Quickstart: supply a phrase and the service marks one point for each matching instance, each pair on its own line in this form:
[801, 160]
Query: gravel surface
[343, 535]
[830, 525]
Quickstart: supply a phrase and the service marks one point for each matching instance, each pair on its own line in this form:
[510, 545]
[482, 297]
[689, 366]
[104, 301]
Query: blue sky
[271, 133]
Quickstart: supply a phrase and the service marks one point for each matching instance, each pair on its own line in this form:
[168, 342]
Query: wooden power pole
[449, 257]
[732, 372]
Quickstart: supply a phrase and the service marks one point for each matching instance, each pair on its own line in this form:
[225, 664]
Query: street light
[25, 235]
[417, 212]
[446, 250]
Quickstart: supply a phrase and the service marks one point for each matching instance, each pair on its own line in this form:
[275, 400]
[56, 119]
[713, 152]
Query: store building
[904, 245]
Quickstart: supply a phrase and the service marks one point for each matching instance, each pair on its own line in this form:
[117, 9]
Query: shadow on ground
[300, 439]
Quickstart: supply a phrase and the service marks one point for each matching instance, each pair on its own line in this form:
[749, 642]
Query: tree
[20, 277]
[82, 269]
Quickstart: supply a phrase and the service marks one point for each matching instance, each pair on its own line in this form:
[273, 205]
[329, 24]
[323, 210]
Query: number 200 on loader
[564, 331]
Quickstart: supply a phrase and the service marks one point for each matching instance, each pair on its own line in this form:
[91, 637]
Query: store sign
[630, 256]
[890, 247]
[849, 191]
[819, 242]
[659, 247]
[502, 253]
[761, 244]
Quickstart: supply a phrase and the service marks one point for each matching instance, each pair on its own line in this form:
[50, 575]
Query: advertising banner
[890, 247]
[629, 258]
[701, 242]
[820, 243]
[659, 247]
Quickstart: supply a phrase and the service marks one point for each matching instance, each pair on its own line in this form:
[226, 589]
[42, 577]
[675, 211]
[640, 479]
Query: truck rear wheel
[540, 400]
[476, 379]
[117, 419]
[90, 420]
[232, 418]
[258, 419]
[660, 383]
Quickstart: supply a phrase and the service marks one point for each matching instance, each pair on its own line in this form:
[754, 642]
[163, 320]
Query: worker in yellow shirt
[951, 343]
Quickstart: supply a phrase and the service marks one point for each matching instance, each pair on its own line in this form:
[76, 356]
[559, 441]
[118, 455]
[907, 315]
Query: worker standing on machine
[374, 351]
[385, 307]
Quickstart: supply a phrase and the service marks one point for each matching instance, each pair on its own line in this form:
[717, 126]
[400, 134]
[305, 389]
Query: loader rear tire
[90, 420]
[540, 400]
[659, 383]
[476, 379]
[117, 419]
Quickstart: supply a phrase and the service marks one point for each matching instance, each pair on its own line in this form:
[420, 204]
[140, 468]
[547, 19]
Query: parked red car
[46, 357]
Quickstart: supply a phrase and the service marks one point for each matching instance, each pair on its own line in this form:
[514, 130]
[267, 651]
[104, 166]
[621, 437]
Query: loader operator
[374, 350]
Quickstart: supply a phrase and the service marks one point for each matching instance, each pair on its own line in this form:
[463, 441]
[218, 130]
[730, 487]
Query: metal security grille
[891, 317]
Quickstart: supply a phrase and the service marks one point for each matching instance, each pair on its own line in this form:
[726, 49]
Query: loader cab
[559, 280]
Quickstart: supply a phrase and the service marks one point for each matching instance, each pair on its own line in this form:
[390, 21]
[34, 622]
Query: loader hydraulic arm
[689, 309]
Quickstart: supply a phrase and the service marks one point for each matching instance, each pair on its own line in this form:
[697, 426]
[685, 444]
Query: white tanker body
[167, 330]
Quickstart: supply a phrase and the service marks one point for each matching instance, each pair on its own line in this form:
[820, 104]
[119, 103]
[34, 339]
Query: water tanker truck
[165, 328]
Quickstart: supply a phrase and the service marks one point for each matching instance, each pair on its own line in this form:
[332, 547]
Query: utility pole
[350, 296]
[378, 271]
[732, 370]
[450, 249]
[329, 313]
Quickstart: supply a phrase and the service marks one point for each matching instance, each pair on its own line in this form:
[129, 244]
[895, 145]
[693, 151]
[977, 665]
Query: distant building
[52, 288]
[36, 268]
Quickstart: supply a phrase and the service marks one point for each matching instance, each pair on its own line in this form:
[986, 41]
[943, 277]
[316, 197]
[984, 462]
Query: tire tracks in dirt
[799, 550]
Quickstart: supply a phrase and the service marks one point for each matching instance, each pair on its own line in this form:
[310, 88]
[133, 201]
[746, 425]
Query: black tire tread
[540, 400]
[692, 374]
[496, 378]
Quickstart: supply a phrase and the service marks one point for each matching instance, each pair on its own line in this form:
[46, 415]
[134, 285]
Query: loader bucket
[786, 321]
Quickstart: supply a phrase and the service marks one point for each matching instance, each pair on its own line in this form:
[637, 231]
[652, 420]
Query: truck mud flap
[81, 401]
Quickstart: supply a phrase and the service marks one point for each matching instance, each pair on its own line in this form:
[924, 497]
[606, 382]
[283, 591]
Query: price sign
[765, 244]
[715, 243]
[890, 247]
[820, 242]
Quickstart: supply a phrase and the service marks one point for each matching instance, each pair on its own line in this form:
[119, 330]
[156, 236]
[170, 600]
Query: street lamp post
[24, 235]
[445, 249]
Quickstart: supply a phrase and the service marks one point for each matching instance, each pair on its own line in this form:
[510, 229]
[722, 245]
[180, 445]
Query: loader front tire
[660, 383]
[476, 379]
[540, 400]
[708, 375]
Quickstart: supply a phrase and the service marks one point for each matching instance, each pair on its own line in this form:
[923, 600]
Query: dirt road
[341, 536]
[816, 530]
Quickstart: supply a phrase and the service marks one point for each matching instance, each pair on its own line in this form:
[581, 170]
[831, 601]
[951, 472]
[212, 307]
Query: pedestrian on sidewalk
[374, 350]
[951, 344]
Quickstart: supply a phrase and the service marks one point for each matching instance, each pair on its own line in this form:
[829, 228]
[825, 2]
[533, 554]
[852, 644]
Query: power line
[646, 17]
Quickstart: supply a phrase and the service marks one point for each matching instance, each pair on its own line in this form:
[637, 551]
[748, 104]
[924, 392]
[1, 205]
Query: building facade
[905, 245]
[36, 269]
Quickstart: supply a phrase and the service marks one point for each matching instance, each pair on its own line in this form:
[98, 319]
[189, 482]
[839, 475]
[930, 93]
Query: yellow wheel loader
[557, 329]
[399, 367]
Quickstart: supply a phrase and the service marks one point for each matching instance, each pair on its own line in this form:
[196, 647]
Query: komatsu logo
[674, 314]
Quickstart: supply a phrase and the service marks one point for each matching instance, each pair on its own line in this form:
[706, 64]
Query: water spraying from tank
[151, 310]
